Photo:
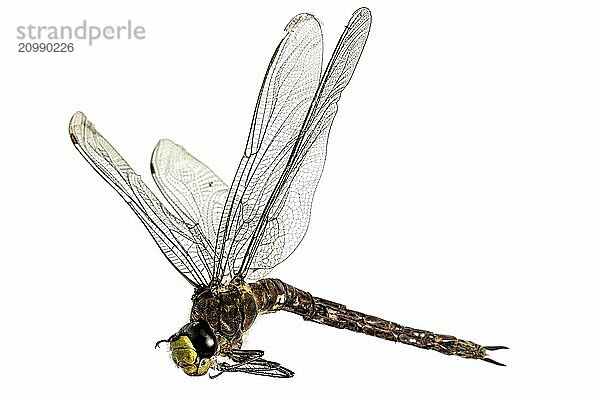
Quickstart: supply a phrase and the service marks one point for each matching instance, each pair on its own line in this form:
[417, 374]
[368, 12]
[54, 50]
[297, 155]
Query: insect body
[224, 240]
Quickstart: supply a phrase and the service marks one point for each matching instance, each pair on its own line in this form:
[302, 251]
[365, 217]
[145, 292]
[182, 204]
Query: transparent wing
[288, 217]
[268, 208]
[175, 239]
[197, 194]
[288, 87]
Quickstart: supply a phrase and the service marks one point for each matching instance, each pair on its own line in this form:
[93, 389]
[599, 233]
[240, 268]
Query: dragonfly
[225, 240]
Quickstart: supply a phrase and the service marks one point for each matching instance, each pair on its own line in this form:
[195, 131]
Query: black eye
[202, 337]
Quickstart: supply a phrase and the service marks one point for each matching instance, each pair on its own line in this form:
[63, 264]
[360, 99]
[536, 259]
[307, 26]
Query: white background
[461, 195]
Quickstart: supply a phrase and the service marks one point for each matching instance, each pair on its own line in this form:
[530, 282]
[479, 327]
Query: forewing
[173, 236]
[284, 100]
[286, 219]
[197, 194]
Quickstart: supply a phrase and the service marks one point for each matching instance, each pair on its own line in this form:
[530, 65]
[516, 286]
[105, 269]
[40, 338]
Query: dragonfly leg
[240, 355]
[251, 362]
[169, 340]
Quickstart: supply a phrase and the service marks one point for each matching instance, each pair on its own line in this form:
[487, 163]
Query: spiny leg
[251, 362]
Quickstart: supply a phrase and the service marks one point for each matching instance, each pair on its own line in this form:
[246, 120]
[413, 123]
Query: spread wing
[288, 87]
[197, 194]
[268, 207]
[177, 239]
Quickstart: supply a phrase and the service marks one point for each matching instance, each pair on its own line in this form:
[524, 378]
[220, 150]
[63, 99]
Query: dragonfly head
[192, 347]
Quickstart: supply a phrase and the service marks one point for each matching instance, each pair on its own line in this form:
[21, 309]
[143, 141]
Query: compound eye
[202, 337]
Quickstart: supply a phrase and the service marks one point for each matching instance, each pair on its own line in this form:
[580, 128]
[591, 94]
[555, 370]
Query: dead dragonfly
[225, 240]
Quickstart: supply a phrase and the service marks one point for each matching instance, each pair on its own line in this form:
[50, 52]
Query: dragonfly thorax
[230, 312]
